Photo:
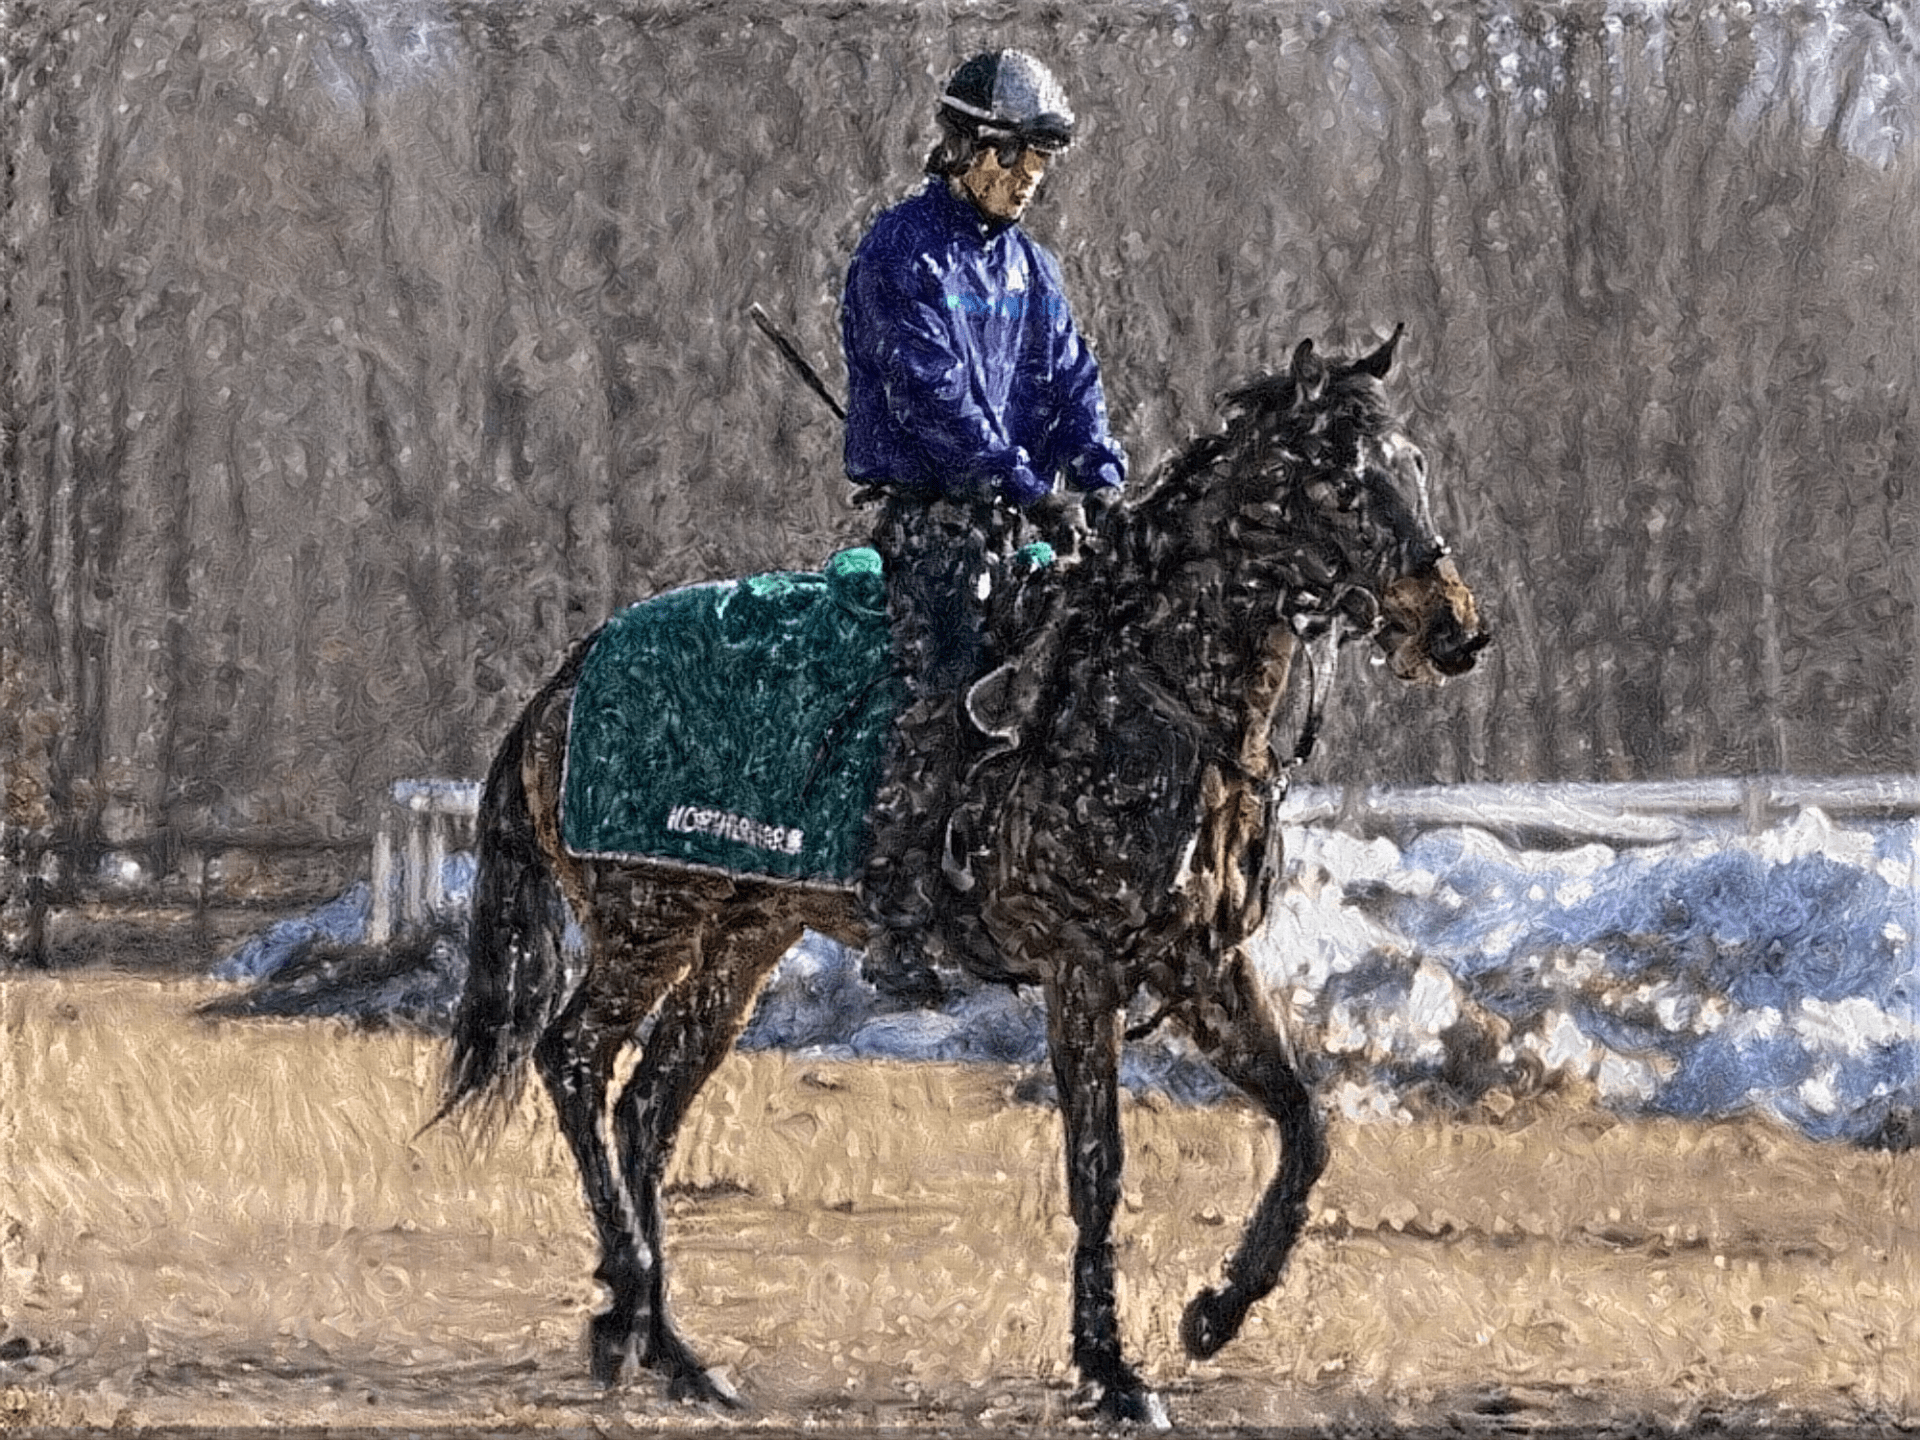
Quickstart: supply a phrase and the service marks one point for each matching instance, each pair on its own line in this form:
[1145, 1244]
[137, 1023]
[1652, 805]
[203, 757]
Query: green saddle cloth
[739, 725]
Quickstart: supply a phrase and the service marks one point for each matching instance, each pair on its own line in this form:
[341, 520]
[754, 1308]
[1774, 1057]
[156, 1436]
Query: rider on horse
[975, 417]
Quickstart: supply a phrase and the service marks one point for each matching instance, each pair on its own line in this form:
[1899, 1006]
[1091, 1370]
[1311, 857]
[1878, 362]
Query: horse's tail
[516, 966]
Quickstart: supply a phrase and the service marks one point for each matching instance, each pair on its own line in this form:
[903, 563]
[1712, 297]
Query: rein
[1322, 656]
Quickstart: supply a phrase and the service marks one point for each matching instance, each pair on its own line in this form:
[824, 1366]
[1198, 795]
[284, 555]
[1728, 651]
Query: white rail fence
[1627, 813]
[426, 818]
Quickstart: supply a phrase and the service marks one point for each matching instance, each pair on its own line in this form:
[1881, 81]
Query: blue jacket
[964, 367]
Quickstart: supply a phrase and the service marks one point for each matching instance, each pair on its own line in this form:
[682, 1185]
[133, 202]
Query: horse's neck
[1183, 643]
[1191, 614]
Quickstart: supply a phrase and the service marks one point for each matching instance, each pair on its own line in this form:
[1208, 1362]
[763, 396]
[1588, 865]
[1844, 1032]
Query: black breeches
[941, 556]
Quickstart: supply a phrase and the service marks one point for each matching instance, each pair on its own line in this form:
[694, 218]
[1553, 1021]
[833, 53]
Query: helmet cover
[1008, 93]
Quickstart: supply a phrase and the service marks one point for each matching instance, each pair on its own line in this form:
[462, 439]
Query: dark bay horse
[1126, 843]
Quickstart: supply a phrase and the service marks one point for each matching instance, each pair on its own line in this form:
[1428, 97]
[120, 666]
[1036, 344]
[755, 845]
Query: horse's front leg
[1083, 1033]
[1229, 1019]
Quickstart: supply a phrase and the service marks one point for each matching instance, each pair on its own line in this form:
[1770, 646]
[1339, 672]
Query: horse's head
[1346, 488]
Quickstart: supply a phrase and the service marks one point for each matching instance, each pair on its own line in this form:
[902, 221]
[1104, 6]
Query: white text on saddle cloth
[694, 820]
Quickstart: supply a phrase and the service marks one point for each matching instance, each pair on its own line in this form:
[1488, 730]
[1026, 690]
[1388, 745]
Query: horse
[1125, 840]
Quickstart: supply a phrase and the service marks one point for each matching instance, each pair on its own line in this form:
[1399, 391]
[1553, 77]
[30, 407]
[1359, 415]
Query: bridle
[1323, 622]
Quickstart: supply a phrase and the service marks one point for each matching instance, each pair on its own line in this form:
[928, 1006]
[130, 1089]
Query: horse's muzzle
[1433, 628]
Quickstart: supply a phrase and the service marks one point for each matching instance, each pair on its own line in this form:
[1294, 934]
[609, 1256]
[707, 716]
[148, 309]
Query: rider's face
[1003, 192]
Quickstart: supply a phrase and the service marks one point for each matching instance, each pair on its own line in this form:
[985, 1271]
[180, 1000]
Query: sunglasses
[1009, 150]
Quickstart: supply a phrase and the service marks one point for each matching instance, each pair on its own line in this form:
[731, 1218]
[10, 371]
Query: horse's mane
[1314, 412]
[1243, 511]
[1281, 430]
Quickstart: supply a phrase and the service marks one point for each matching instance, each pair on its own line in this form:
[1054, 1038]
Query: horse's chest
[1126, 800]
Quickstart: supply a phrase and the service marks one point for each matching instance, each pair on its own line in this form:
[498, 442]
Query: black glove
[1056, 517]
[1097, 505]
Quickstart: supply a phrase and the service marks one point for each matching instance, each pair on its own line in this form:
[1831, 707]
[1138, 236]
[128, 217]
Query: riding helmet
[1007, 94]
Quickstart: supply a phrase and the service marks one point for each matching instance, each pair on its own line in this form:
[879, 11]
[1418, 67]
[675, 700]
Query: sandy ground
[235, 1224]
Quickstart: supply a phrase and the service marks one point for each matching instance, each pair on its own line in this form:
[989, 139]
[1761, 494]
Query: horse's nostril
[1454, 652]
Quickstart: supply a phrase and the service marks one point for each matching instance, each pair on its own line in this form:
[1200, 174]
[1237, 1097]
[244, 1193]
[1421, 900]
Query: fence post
[380, 919]
[435, 887]
[414, 887]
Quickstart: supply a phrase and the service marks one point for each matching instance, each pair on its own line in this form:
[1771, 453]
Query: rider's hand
[1096, 505]
[1055, 516]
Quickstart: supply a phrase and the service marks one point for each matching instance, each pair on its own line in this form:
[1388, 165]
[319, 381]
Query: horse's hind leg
[575, 1058]
[697, 1025]
[637, 952]
[1231, 1023]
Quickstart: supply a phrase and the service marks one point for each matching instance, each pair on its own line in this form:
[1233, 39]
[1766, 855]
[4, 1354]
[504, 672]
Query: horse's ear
[1309, 374]
[1380, 361]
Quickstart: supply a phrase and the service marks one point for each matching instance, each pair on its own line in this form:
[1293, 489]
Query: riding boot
[900, 885]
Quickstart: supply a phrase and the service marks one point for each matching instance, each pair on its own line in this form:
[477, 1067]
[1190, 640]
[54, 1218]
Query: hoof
[1210, 1322]
[609, 1347]
[703, 1387]
[1127, 1405]
[688, 1381]
[916, 986]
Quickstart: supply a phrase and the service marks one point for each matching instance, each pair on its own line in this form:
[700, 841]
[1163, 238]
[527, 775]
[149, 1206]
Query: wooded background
[360, 355]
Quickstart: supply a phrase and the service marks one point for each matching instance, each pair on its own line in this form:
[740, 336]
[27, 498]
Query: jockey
[976, 418]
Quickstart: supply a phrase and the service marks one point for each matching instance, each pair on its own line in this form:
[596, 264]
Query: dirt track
[231, 1225]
